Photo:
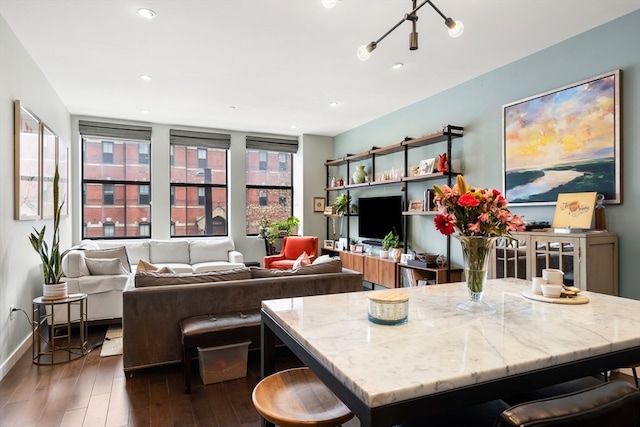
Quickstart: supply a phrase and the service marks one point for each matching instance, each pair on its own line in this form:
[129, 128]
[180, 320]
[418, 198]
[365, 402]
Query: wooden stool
[296, 397]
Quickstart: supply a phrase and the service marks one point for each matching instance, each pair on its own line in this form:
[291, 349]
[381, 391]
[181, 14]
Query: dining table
[444, 358]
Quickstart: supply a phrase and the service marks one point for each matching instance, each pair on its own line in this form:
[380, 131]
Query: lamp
[455, 30]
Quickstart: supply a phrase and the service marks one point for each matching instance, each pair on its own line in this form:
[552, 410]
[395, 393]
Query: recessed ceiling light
[144, 111]
[232, 107]
[333, 104]
[293, 127]
[146, 13]
[397, 65]
[145, 77]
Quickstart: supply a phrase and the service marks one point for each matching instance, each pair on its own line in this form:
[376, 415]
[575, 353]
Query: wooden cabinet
[408, 275]
[374, 269]
[589, 260]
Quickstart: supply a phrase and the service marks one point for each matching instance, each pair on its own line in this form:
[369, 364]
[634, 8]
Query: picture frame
[328, 244]
[416, 205]
[574, 211]
[329, 210]
[318, 204]
[405, 257]
[27, 167]
[338, 245]
[49, 160]
[568, 143]
[426, 166]
[359, 248]
[63, 170]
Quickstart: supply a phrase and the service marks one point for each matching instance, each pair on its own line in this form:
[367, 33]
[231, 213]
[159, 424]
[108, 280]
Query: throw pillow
[119, 252]
[321, 259]
[302, 260]
[74, 265]
[147, 266]
[105, 266]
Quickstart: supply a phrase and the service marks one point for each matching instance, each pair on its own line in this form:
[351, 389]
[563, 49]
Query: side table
[52, 322]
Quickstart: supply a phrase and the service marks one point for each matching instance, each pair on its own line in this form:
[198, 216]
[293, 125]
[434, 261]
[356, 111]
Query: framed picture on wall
[318, 204]
[26, 163]
[49, 160]
[564, 141]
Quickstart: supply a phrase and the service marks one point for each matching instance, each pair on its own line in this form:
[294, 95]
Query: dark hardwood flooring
[93, 391]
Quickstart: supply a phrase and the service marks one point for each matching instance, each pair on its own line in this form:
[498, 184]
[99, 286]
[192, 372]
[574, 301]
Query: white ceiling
[278, 62]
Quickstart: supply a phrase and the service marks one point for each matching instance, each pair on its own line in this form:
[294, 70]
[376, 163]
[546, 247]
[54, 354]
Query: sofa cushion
[119, 252]
[210, 250]
[169, 251]
[152, 278]
[147, 266]
[105, 266]
[333, 266]
[138, 251]
[74, 265]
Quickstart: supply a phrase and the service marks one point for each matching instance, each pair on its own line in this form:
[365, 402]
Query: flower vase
[476, 251]
[359, 176]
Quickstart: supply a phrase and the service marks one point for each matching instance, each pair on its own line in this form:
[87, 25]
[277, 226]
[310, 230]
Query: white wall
[20, 276]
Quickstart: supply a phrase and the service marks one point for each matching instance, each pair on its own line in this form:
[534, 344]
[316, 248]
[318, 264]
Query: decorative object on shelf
[391, 243]
[415, 170]
[574, 212]
[360, 175]
[359, 248]
[600, 214]
[589, 110]
[479, 215]
[404, 258]
[455, 29]
[426, 166]
[442, 163]
[429, 204]
[342, 204]
[332, 183]
[353, 243]
[318, 204]
[51, 257]
[416, 206]
[388, 307]
[328, 244]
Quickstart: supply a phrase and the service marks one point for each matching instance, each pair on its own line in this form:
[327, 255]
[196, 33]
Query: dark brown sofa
[151, 314]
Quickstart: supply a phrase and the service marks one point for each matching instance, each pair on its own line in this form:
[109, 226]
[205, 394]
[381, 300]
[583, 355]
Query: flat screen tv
[377, 216]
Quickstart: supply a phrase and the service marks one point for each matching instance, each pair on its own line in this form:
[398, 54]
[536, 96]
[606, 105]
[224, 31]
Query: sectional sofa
[154, 303]
[101, 268]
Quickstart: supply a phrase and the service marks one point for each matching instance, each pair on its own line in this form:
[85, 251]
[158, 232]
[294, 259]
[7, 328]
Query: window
[172, 155]
[108, 194]
[116, 180]
[172, 196]
[143, 153]
[143, 194]
[199, 183]
[144, 229]
[107, 151]
[269, 178]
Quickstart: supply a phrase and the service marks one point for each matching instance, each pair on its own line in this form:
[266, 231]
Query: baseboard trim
[15, 356]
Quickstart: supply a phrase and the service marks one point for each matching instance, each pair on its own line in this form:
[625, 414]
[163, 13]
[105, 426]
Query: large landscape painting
[564, 141]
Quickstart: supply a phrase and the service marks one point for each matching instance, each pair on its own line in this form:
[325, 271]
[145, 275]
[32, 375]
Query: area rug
[112, 344]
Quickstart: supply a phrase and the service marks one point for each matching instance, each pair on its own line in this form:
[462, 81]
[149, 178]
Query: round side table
[52, 323]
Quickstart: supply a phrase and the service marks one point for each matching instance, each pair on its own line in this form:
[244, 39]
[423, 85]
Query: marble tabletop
[442, 348]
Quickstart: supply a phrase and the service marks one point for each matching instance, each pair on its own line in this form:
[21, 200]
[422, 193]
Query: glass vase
[476, 252]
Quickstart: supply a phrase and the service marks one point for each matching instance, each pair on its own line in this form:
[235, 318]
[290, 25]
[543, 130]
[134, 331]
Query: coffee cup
[537, 282]
[553, 276]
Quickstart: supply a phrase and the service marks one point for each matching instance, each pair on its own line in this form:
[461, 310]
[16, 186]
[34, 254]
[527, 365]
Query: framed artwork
[49, 160]
[318, 204]
[359, 248]
[416, 205]
[338, 246]
[574, 210]
[328, 244]
[426, 166]
[26, 164]
[564, 141]
[63, 170]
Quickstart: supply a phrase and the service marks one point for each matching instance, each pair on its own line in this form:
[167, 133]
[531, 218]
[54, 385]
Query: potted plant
[342, 204]
[50, 255]
[352, 243]
[391, 242]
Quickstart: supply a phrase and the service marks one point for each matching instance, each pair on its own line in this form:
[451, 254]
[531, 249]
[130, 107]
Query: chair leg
[635, 377]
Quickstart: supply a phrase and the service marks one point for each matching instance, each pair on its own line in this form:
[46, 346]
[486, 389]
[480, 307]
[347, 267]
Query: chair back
[615, 403]
[293, 246]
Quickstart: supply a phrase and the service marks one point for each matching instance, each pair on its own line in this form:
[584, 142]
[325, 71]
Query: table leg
[267, 357]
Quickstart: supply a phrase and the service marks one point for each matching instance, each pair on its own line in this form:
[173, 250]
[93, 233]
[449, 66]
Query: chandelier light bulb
[363, 53]
[456, 30]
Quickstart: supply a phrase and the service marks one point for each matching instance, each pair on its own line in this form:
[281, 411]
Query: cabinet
[589, 260]
[404, 180]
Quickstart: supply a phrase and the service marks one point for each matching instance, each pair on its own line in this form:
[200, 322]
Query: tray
[578, 299]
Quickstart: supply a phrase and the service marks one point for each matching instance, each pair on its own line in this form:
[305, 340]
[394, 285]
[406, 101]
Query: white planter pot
[55, 291]
[384, 254]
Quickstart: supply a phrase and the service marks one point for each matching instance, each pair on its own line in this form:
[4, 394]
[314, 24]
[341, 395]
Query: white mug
[553, 276]
[536, 286]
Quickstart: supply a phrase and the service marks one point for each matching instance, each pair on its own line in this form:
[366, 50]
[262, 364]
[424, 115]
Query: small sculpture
[442, 163]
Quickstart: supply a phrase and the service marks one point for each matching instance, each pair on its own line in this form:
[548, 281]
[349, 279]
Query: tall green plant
[51, 261]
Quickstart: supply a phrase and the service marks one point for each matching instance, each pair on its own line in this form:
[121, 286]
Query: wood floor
[92, 391]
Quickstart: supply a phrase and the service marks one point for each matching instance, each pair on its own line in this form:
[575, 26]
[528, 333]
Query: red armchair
[292, 248]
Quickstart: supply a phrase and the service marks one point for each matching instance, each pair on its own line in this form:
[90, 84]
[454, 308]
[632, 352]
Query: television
[377, 216]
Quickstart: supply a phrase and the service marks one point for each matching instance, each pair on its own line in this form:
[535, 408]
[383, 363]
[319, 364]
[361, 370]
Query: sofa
[101, 268]
[154, 303]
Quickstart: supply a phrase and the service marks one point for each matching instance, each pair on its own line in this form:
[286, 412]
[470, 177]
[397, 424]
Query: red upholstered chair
[292, 248]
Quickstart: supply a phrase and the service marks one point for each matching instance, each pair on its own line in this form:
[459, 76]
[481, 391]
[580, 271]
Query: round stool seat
[296, 397]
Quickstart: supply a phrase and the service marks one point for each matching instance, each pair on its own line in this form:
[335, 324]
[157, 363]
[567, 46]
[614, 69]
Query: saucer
[578, 299]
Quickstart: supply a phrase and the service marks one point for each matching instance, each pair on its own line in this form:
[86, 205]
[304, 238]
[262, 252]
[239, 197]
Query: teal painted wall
[477, 105]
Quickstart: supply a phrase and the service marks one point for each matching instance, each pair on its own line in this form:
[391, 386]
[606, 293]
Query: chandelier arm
[405, 18]
[436, 9]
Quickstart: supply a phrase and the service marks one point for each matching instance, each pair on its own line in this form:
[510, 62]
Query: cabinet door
[562, 253]
[510, 258]
[352, 261]
[370, 273]
[387, 273]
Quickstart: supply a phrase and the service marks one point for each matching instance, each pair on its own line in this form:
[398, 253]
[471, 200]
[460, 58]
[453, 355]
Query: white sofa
[100, 268]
